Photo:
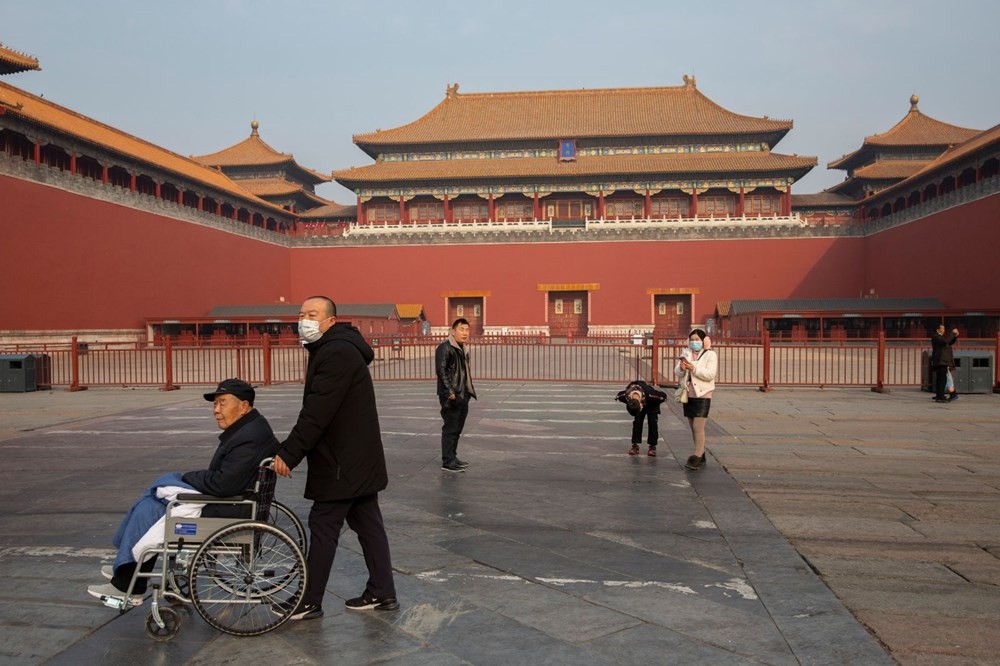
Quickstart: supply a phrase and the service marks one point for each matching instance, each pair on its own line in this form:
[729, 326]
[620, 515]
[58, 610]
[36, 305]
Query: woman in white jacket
[696, 369]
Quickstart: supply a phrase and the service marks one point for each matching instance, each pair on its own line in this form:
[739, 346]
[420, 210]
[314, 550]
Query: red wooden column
[360, 214]
[402, 209]
[786, 202]
[741, 211]
[647, 208]
[131, 181]
[534, 209]
[491, 210]
[72, 162]
[694, 202]
[180, 196]
[218, 208]
[104, 174]
[447, 210]
[201, 201]
[38, 151]
[600, 205]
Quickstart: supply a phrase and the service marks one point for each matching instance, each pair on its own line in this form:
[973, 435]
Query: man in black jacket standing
[454, 389]
[338, 431]
[941, 359]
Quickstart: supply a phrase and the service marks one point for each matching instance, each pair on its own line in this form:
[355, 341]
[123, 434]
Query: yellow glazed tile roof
[12, 61]
[43, 112]
[254, 151]
[409, 310]
[617, 165]
[915, 129]
[573, 114]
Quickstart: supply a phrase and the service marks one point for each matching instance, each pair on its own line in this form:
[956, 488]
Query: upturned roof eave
[796, 173]
[374, 148]
[231, 187]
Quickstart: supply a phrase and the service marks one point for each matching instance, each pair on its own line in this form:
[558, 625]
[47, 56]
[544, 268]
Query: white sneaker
[109, 590]
[108, 571]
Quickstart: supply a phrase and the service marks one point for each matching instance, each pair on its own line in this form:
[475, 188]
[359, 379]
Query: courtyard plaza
[829, 526]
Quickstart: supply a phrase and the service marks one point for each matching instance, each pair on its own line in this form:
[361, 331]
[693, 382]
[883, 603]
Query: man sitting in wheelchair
[246, 440]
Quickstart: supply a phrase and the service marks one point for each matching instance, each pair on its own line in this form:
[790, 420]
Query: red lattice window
[470, 212]
[761, 205]
[382, 213]
[671, 206]
[717, 206]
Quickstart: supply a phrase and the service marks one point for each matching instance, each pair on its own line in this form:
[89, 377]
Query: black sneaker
[452, 467]
[695, 462]
[953, 397]
[368, 602]
[307, 612]
[461, 463]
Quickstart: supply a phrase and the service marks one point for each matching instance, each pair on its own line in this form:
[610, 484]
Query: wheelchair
[244, 576]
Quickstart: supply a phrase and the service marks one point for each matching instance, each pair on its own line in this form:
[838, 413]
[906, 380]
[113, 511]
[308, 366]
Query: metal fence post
[75, 367]
[996, 366]
[766, 338]
[655, 362]
[168, 365]
[880, 380]
[267, 359]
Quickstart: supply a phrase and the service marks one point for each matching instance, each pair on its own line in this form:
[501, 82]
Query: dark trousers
[454, 413]
[654, 432]
[364, 517]
[123, 576]
[940, 380]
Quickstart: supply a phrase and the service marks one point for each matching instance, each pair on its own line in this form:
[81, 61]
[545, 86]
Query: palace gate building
[552, 212]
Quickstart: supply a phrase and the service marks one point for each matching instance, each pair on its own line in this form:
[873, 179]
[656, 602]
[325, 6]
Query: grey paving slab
[556, 547]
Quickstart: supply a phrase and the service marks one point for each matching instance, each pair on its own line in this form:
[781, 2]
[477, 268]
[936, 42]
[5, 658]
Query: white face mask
[309, 330]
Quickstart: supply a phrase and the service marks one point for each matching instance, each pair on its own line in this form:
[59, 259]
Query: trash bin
[43, 371]
[926, 372]
[973, 371]
[17, 373]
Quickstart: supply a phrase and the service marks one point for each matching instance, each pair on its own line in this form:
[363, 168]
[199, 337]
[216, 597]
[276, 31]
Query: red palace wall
[71, 262]
[719, 269]
[951, 255]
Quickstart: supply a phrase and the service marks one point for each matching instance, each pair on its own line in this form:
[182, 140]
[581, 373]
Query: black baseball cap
[234, 387]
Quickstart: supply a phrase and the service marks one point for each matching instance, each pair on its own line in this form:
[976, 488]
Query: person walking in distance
[454, 390]
[941, 359]
[338, 431]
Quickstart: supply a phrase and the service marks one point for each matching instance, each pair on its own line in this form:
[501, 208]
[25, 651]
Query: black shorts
[697, 407]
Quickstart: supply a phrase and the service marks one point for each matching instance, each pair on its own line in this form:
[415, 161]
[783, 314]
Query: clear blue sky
[191, 75]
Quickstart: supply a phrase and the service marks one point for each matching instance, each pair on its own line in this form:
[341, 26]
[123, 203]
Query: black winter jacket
[234, 466]
[652, 397]
[338, 429]
[452, 365]
[941, 353]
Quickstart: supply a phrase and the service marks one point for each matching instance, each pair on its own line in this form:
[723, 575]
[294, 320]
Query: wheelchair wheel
[171, 623]
[247, 578]
[285, 520]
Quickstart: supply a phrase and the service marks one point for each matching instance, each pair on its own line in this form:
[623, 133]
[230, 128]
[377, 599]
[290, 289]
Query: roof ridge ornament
[254, 125]
[690, 81]
[913, 102]
[451, 90]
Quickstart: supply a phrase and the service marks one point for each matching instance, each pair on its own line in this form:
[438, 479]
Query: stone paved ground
[892, 499]
[556, 547]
